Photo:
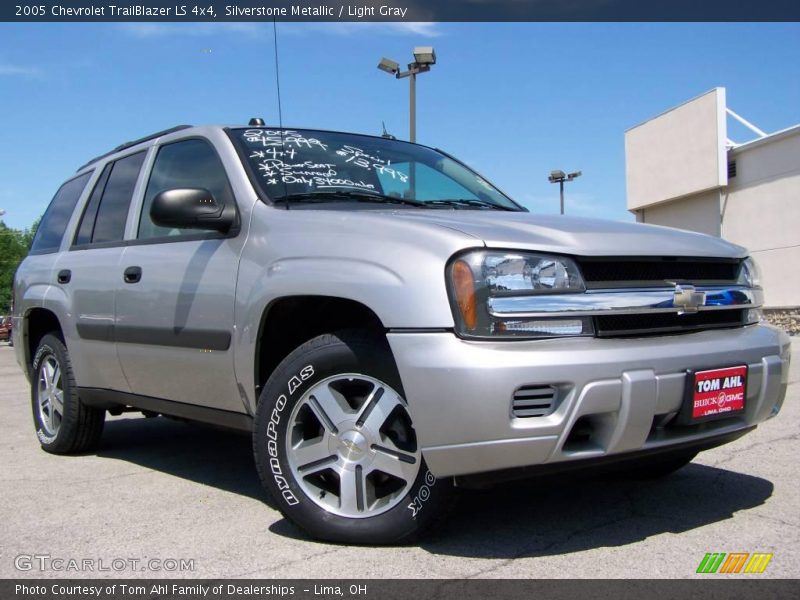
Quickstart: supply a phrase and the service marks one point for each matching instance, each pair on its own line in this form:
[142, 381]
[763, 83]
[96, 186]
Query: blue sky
[512, 100]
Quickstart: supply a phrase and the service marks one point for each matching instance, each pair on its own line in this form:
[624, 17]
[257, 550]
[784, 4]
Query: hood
[571, 235]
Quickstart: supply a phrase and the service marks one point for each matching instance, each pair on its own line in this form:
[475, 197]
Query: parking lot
[164, 490]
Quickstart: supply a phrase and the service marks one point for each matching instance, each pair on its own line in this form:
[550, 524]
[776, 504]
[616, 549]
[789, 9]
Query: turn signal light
[464, 288]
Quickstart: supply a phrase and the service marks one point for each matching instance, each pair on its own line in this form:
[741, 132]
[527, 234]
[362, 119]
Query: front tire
[336, 448]
[63, 423]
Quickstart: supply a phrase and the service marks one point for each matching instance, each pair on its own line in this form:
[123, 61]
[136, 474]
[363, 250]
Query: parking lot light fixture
[424, 58]
[559, 177]
[424, 55]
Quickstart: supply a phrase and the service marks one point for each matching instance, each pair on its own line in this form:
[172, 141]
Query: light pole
[560, 177]
[424, 58]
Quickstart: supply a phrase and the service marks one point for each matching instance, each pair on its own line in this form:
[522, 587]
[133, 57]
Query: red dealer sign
[718, 392]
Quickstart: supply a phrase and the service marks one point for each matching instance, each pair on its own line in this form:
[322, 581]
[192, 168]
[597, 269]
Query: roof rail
[135, 142]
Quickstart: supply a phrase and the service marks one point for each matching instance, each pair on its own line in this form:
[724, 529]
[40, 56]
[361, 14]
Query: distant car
[5, 329]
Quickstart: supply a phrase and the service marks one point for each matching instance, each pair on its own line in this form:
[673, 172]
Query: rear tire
[64, 425]
[336, 449]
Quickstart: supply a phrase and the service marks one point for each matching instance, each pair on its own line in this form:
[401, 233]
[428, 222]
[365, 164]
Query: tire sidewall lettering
[294, 383]
[43, 437]
[423, 495]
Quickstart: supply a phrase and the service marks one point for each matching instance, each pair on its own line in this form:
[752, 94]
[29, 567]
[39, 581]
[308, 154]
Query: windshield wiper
[367, 196]
[464, 202]
[357, 195]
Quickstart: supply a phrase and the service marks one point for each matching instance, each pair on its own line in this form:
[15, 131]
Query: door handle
[133, 274]
[64, 276]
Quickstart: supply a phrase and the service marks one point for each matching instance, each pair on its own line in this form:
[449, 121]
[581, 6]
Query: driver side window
[186, 164]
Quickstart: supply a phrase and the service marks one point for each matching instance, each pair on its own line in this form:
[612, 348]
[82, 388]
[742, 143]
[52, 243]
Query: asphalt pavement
[159, 492]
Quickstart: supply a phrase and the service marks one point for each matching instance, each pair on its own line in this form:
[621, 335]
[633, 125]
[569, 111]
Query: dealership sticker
[719, 391]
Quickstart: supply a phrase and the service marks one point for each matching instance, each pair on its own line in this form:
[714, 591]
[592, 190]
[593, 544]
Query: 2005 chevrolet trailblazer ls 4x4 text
[383, 319]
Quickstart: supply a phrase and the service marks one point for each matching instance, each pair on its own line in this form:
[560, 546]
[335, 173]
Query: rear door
[35, 277]
[175, 312]
[89, 272]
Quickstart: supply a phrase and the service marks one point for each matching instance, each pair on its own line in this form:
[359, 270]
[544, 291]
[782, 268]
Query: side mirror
[191, 208]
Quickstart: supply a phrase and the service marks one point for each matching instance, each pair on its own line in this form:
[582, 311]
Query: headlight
[474, 278]
[749, 274]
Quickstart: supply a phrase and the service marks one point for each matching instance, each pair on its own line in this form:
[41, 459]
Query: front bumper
[460, 393]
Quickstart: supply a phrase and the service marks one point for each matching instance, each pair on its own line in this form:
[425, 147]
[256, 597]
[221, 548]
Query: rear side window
[54, 222]
[187, 164]
[112, 213]
[86, 227]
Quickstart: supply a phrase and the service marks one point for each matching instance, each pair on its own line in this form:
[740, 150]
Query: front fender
[394, 267]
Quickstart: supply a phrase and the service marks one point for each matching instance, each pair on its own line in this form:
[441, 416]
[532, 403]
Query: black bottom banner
[389, 589]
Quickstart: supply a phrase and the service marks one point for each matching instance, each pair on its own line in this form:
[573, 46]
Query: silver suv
[384, 320]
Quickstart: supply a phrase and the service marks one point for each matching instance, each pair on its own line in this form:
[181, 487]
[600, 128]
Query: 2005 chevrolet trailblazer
[384, 321]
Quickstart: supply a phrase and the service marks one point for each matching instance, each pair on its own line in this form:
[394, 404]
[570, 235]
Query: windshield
[298, 165]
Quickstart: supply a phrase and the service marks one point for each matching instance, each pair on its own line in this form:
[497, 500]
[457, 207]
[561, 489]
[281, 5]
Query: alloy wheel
[351, 446]
[50, 395]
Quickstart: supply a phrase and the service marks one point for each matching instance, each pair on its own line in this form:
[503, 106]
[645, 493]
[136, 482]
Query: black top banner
[403, 11]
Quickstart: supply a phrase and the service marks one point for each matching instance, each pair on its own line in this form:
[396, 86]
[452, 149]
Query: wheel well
[40, 322]
[289, 322]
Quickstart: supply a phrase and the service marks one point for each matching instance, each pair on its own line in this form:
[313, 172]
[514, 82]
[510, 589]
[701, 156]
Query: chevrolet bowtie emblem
[687, 298]
[352, 447]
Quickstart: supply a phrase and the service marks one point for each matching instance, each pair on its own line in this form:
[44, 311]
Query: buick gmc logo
[687, 298]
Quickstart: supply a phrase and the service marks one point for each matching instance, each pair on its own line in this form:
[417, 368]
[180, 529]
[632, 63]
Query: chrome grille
[639, 296]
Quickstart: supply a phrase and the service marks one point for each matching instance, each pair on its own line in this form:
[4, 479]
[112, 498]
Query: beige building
[683, 171]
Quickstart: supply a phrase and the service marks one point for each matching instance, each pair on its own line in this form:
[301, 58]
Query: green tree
[14, 244]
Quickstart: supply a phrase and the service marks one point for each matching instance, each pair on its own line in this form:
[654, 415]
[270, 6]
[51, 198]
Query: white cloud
[423, 29]
[20, 71]
[152, 30]
[347, 28]
[258, 30]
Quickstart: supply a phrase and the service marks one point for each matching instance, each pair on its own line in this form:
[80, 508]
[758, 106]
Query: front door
[175, 297]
